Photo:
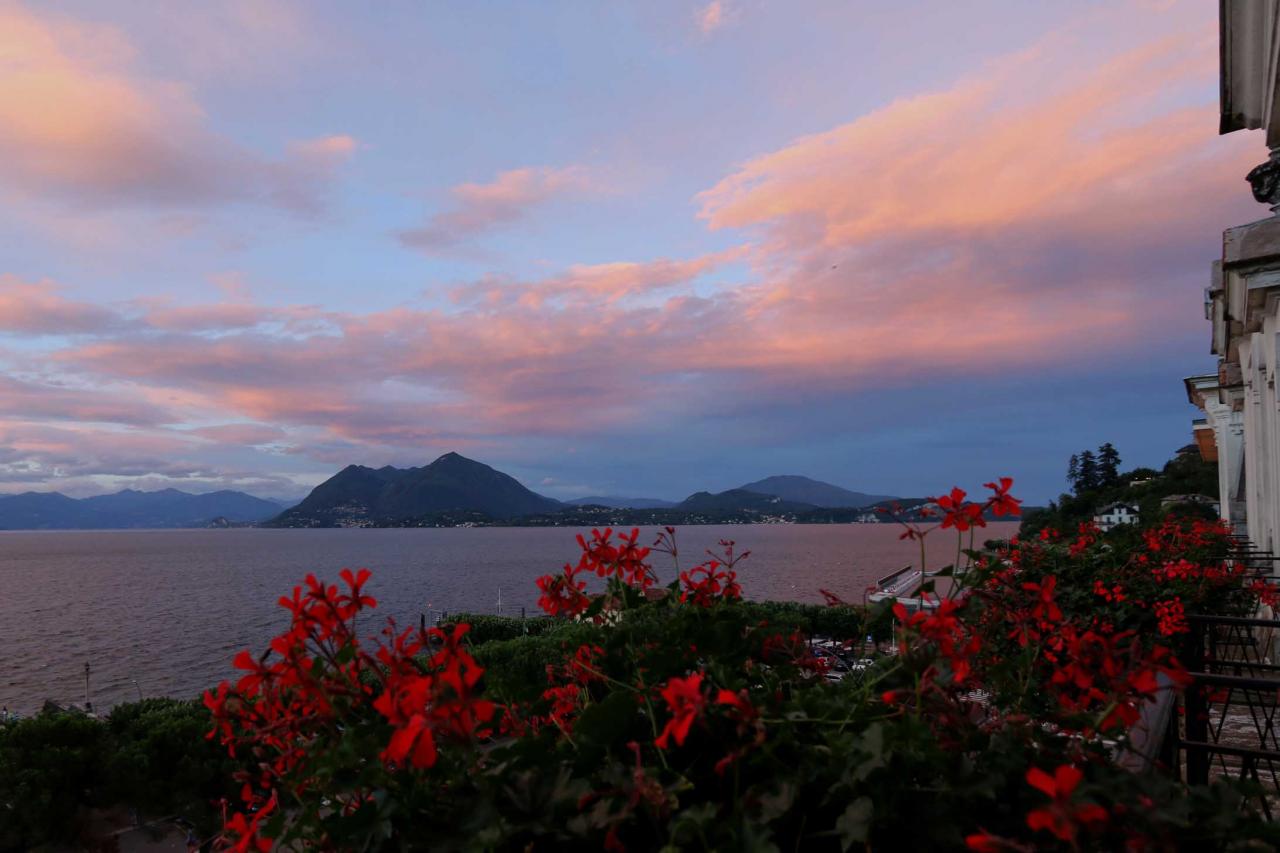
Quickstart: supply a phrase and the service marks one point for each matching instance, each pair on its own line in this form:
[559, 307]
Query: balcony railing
[1226, 723]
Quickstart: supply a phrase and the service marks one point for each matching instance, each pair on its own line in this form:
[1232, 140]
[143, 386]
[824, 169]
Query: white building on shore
[1113, 515]
[1239, 400]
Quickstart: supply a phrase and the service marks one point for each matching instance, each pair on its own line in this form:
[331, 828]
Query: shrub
[488, 628]
[158, 759]
[50, 765]
[515, 670]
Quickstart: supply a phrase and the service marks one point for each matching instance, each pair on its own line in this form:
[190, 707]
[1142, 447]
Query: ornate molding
[1265, 182]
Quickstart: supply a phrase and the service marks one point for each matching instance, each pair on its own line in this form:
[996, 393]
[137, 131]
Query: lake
[161, 613]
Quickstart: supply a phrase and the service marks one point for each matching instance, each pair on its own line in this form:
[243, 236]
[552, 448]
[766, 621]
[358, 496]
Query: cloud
[1052, 210]
[244, 433]
[713, 16]
[90, 459]
[36, 308]
[995, 149]
[233, 39]
[78, 125]
[480, 208]
[232, 285]
[608, 282]
[45, 401]
[204, 318]
[326, 149]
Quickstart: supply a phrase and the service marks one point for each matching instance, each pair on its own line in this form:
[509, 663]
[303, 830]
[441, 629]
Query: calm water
[161, 613]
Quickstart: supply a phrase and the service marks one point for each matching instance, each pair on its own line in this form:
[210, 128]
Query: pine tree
[1073, 472]
[1108, 465]
[1089, 479]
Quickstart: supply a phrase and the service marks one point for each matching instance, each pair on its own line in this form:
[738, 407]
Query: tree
[1073, 472]
[49, 766]
[1108, 465]
[1089, 479]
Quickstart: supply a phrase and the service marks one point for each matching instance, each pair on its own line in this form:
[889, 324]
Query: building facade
[1114, 515]
[1243, 299]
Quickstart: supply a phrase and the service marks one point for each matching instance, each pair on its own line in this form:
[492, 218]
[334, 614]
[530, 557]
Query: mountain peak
[795, 487]
[740, 500]
[129, 508]
[452, 456]
[451, 483]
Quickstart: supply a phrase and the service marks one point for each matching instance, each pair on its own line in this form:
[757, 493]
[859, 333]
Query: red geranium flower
[684, 698]
[1061, 817]
[1002, 503]
[357, 600]
[960, 513]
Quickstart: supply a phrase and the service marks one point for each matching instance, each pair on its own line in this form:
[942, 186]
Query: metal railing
[1229, 725]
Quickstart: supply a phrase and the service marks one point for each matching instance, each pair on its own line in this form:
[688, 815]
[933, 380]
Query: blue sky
[637, 248]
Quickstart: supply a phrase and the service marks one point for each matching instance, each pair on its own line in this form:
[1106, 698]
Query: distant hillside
[358, 496]
[129, 509]
[622, 503]
[792, 487]
[1145, 488]
[42, 511]
[916, 510]
[739, 500]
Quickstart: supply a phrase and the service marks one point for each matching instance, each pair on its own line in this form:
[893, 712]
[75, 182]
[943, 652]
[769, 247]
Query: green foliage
[814, 620]
[150, 755]
[1087, 472]
[486, 628]
[160, 761]
[836, 771]
[1108, 465]
[49, 767]
[1144, 488]
[516, 665]
[516, 669]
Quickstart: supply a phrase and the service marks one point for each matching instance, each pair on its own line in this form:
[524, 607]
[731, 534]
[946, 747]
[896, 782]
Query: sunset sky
[610, 248]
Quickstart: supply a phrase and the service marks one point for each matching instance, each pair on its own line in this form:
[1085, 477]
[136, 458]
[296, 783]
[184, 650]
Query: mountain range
[452, 488]
[791, 487]
[130, 509]
[358, 495]
[614, 502]
[740, 500]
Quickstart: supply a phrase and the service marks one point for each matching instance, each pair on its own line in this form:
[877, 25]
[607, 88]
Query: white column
[1228, 435]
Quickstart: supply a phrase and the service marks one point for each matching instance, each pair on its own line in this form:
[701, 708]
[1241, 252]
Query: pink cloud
[89, 459]
[195, 318]
[479, 208]
[713, 16]
[78, 124]
[1036, 136]
[62, 402]
[36, 308]
[232, 285]
[237, 39]
[244, 433]
[1038, 213]
[608, 282]
[326, 148]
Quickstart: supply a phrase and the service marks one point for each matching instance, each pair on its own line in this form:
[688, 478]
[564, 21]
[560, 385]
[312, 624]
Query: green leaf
[346, 653]
[855, 824]
[604, 723]
[870, 744]
[756, 840]
[777, 802]
[687, 826]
